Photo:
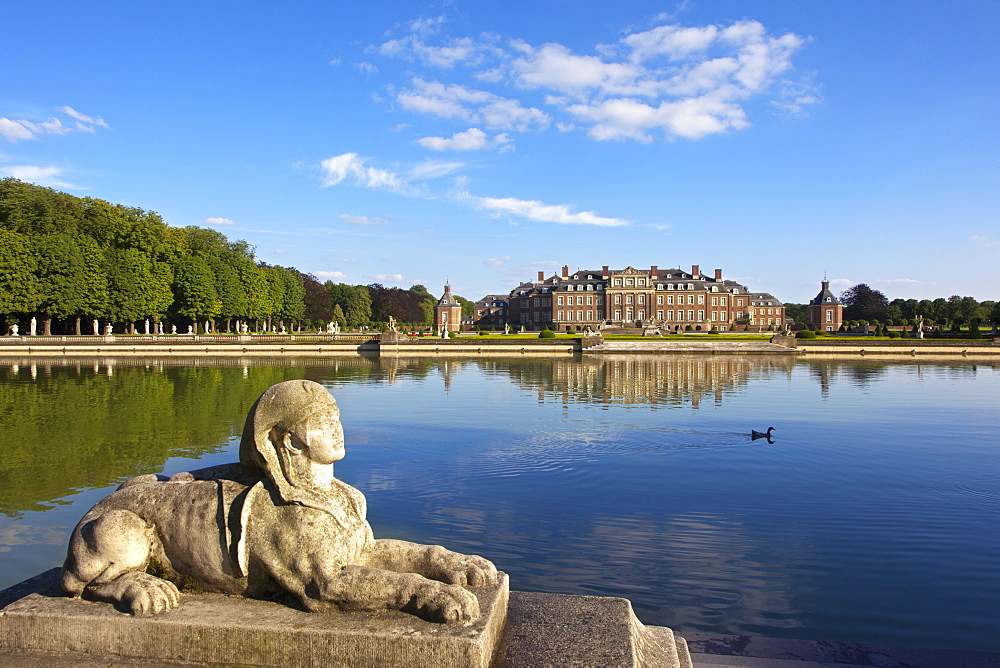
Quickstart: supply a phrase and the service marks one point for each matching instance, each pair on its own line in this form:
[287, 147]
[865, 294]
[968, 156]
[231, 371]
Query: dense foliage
[69, 261]
[863, 303]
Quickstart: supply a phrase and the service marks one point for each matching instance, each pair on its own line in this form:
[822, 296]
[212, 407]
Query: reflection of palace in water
[634, 379]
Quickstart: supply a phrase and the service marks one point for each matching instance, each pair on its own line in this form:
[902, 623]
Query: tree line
[862, 303]
[67, 261]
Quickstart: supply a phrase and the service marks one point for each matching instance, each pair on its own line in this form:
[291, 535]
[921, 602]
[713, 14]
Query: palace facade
[668, 299]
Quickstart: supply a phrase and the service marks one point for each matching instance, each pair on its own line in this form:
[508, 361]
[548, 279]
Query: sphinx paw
[144, 594]
[463, 569]
[448, 604]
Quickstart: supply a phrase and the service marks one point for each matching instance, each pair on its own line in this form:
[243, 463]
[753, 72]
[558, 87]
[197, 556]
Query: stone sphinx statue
[277, 524]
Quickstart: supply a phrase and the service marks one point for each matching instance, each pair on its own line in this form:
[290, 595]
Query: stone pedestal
[37, 621]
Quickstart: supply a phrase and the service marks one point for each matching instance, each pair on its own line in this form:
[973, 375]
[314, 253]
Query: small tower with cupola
[826, 313]
[447, 313]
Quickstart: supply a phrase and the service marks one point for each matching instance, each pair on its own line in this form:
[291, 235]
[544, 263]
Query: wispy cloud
[389, 277]
[349, 166]
[670, 81]
[362, 220]
[14, 130]
[472, 139]
[43, 176]
[984, 241]
[220, 222]
[497, 261]
[538, 211]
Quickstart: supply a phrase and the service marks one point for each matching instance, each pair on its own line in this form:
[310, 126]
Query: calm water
[872, 517]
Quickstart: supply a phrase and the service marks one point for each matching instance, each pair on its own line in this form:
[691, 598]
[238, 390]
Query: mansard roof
[825, 297]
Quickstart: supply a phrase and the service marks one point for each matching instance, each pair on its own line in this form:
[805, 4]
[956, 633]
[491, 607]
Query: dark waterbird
[754, 434]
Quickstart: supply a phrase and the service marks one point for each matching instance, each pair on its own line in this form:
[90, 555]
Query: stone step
[563, 630]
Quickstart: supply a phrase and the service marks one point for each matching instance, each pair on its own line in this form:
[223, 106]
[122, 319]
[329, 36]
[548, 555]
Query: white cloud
[349, 165]
[453, 101]
[670, 81]
[222, 222]
[348, 260]
[16, 130]
[43, 176]
[362, 220]
[329, 274]
[472, 139]
[539, 211]
[366, 68]
[389, 277]
[496, 261]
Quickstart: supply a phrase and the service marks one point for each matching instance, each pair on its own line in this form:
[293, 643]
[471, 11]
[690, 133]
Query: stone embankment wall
[964, 348]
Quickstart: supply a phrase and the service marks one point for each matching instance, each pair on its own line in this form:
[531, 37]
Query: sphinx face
[324, 438]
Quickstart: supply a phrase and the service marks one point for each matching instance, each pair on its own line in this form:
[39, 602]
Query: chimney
[604, 271]
[652, 271]
[695, 271]
[718, 275]
[565, 271]
[826, 285]
[541, 275]
[447, 289]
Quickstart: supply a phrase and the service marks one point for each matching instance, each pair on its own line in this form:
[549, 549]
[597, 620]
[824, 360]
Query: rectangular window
[723, 302]
[642, 314]
[618, 299]
[579, 315]
[701, 315]
[559, 315]
[590, 300]
[600, 300]
[715, 315]
[579, 300]
[829, 316]
[569, 315]
[659, 300]
[739, 302]
[690, 315]
[642, 299]
[715, 301]
[590, 315]
[690, 299]
[701, 299]
[670, 299]
[670, 315]
[659, 315]
[559, 300]
[628, 299]
[537, 302]
[538, 316]
[618, 315]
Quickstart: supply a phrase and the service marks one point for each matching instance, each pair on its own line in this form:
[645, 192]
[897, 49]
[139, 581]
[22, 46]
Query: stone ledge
[42, 624]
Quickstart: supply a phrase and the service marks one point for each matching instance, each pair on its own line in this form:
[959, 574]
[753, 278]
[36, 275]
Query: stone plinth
[217, 629]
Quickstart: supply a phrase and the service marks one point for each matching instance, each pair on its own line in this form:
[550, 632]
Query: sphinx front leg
[107, 558]
[367, 588]
[432, 561]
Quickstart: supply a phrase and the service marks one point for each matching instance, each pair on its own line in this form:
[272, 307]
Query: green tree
[138, 287]
[62, 277]
[18, 283]
[862, 302]
[195, 296]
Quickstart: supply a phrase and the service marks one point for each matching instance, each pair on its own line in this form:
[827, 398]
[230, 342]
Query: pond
[871, 517]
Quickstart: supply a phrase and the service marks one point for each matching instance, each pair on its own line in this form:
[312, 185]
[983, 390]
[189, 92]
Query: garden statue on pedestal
[33, 326]
[278, 523]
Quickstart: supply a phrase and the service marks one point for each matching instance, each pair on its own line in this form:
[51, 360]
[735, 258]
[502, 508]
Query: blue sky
[419, 142]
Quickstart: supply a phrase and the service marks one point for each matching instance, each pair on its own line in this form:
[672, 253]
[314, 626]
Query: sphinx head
[293, 435]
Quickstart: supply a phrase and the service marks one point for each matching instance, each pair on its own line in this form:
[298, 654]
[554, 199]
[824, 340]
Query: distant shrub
[892, 334]
[714, 330]
[546, 334]
[805, 334]
[689, 328]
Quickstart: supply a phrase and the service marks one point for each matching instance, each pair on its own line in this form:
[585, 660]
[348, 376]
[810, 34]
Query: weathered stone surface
[562, 630]
[44, 625]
